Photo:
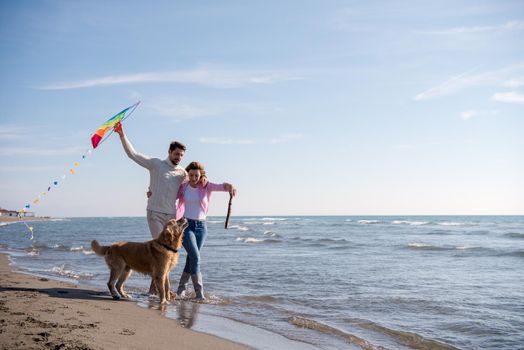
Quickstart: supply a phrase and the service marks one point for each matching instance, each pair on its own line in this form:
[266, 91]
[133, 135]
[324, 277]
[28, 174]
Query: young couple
[169, 182]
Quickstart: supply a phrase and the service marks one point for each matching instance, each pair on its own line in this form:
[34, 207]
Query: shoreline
[40, 313]
[28, 218]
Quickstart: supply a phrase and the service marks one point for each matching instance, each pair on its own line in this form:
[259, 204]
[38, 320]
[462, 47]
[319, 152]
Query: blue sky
[309, 108]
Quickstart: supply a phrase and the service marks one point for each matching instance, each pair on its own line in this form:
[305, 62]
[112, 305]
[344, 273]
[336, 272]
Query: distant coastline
[27, 218]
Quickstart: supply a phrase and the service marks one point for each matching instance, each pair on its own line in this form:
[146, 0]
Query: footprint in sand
[126, 331]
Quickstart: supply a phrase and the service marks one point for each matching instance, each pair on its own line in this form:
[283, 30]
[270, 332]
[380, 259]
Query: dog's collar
[168, 247]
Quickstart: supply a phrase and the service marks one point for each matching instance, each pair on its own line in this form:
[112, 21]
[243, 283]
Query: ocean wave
[458, 248]
[273, 219]
[74, 249]
[271, 234]
[62, 271]
[33, 252]
[261, 298]
[240, 228]
[440, 232]
[451, 223]
[422, 246]
[426, 246]
[8, 223]
[514, 235]
[517, 253]
[369, 222]
[468, 247]
[82, 250]
[410, 339]
[62, 248]
[324, 328]
[256, 240]
[407, 222]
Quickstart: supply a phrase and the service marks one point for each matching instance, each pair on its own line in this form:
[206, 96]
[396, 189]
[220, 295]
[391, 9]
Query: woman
[193, 203]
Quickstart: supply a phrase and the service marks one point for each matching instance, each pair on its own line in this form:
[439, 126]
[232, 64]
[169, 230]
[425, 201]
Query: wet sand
[38, 313]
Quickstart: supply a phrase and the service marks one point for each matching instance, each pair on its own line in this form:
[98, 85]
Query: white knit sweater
[164, 179]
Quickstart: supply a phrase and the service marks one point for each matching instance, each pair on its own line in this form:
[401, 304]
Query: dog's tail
[99, 249]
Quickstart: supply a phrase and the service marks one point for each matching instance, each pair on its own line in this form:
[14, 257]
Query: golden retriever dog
[155, 258]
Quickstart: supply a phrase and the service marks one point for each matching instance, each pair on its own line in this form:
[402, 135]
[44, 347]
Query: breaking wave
[62, 271]
[514, 235]
[414, 223]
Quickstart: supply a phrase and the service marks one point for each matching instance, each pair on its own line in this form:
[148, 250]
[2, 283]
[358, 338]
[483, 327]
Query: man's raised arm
[138, 158]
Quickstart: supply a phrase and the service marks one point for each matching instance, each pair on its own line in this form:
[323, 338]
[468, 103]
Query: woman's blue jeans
[194, 237]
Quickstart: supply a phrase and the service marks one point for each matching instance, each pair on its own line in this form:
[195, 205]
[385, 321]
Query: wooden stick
[228, 210]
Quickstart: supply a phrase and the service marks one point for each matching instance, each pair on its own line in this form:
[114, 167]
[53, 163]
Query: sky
[308, 107]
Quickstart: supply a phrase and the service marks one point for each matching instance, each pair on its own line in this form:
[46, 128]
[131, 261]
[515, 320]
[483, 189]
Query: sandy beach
[38, 313]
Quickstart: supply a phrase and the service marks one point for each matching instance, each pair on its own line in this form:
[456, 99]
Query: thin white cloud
[508, 97]
[207, 77]
[450, 86]
[511, 25]
[181, 108]
[11, 132]
[27, 151]
[181, 111]
[469, 114]
[286, 138]
[467, 79]
[466, 115]
[513, 83]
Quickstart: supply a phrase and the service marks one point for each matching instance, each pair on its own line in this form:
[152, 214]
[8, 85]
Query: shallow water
[333, 282]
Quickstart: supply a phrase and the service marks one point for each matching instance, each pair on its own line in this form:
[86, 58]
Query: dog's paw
[164, 302]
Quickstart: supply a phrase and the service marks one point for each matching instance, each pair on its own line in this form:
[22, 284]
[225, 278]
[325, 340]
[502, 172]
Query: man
[165, 177]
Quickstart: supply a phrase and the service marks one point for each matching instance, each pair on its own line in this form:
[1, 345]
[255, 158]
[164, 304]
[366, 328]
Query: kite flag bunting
[98, 136]
[96, 139]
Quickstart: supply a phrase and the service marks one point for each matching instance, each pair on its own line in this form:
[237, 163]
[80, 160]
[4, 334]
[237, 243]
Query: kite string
[55, 183]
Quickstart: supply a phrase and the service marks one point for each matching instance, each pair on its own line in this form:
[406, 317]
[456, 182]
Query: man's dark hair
[176, 144]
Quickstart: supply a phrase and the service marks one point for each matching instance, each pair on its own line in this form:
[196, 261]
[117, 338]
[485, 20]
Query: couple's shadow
[186, 311]
[64, 293]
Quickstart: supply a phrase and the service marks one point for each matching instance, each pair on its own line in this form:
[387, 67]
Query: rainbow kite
[98, 136]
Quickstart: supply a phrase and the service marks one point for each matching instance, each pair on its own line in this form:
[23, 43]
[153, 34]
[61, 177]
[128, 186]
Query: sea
[319, 282]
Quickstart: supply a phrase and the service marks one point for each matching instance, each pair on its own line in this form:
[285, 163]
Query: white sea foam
[451, 223]
[249, 240]
[240, 228]
[365, 222]
[62, 271]
[268, 223]
[74, 249]
[465, 247]
[420, 245]
[33, 252]
[406, 222]
[274, 219]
